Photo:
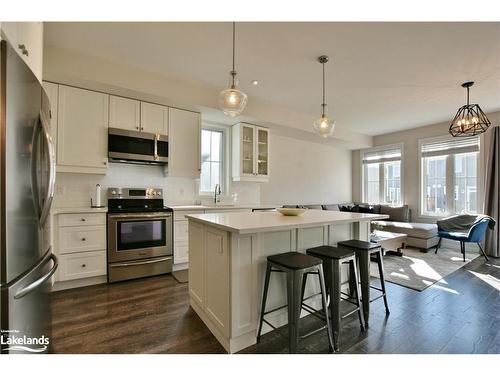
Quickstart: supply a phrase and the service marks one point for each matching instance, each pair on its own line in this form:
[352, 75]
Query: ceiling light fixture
[324, 126]
[470, 120]
[231, 100]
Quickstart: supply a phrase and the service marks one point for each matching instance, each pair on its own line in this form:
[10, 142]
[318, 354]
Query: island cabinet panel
[217, 278]
[196, 263]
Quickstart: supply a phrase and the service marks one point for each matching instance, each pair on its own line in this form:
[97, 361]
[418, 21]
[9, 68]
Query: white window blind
[381, 156]
[450, 147]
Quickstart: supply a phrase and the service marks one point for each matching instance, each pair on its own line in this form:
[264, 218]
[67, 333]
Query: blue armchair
[465, 228]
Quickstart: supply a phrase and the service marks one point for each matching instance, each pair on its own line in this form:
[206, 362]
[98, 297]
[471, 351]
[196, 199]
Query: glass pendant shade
[470, 120]
[324, 126]
[232, 101]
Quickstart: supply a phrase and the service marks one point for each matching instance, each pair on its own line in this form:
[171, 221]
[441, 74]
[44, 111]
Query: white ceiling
[382, 77]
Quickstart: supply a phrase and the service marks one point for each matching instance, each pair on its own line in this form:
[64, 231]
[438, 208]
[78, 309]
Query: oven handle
[140, 263]
[140, 216]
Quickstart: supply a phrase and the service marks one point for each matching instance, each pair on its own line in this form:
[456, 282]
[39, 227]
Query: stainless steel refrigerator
[27, 180]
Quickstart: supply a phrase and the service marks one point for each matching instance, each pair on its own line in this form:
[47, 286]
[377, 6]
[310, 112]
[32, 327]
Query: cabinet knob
[84, 265]
[105, 162]
[84, 239]
[138, 128]
[83, 219]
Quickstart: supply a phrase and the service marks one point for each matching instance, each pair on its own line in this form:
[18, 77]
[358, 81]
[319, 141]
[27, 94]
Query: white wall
[411, 166]
[304, 172]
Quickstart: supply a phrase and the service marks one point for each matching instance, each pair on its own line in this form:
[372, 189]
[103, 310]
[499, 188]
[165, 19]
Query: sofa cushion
[400, 213]
[419, 230]
[313, 206]
[331, 207]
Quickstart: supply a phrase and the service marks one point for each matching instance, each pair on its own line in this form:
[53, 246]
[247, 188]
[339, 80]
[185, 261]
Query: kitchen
[183, 204]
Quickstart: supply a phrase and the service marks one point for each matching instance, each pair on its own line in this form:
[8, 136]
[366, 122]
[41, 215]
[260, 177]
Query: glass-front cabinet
[250, 153]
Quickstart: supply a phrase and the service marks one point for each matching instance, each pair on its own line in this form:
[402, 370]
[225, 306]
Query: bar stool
[364, 251]
[295, 265]
[332, 258]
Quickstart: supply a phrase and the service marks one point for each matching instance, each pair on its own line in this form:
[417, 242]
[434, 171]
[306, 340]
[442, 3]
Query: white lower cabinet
[82, 265]
[181, 231]
[80, 244]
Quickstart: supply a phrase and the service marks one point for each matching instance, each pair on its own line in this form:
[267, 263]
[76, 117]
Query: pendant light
[231, 100]
[323, 126]
[470, 120]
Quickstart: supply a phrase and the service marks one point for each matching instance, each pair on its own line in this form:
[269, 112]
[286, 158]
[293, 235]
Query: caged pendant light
[323, 126]
[470, 120]
[231, 100]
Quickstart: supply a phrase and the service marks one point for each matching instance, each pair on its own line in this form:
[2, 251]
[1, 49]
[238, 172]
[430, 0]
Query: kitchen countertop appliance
[27, 180]
[140, 238]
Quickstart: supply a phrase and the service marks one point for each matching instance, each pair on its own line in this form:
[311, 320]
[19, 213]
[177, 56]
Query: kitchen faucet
[217, 193]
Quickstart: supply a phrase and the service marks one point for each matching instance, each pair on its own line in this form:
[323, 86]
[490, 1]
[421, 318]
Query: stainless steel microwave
[128, 146]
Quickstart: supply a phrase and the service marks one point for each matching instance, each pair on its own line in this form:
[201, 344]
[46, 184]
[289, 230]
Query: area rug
[181, 276]
[418, 271]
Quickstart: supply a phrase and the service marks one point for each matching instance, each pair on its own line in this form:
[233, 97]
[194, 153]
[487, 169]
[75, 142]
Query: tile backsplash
[75, 189]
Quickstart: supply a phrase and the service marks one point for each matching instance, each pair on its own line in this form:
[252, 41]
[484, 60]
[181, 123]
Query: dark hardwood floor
[153, 316]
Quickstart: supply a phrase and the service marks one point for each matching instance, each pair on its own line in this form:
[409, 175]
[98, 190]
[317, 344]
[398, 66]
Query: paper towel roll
[97, 195]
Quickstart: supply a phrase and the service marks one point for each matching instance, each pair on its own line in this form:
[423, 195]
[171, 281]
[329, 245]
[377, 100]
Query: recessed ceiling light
[255, 82]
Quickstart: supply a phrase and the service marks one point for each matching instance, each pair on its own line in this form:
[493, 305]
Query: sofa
[420, 235]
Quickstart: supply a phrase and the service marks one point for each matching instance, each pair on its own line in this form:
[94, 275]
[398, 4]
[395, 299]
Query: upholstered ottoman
[420, 235]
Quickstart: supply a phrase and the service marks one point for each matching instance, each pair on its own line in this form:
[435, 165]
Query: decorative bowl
[291, 211]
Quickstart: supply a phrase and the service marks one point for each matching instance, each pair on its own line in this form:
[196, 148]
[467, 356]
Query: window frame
[225, 152]
[450, 177]
[382, 171]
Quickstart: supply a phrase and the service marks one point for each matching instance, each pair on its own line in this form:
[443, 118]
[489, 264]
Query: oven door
[139, 235]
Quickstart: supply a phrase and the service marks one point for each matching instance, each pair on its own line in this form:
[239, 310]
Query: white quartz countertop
[252, 222]
[195, 207]
[77, 210]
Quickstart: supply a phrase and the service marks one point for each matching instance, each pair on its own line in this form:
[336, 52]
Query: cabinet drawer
[181, 252]
[180, 215]
[181, 231]
[81, 265]
[77, 239]
[69, 220]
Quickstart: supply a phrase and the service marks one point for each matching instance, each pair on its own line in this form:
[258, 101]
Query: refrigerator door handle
[31, 287]
[34, 165]
[52, 170]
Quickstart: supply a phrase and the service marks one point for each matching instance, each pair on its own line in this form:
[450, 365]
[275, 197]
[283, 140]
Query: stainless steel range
[139, 234]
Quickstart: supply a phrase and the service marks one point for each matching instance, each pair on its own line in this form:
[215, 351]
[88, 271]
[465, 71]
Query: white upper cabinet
[82, 131]
[130, 114]
[124, 113]
[184, 143]
[52, 90]
[250, 153]
[154, 118]
[27, 40]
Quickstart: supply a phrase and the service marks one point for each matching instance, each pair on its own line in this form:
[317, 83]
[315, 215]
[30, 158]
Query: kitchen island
[227, 261]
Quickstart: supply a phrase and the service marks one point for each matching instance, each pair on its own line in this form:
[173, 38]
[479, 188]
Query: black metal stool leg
[382, 280]
[437, 246]
[335, 303]
[303, 289]
[325, 308]
[462, 248]
[264, 300]
[481, 248]
[294, 308]
[357, 293]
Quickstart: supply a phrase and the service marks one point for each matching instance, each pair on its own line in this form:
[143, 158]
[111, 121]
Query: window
[382, 175]
[449, 176]
[212, 166]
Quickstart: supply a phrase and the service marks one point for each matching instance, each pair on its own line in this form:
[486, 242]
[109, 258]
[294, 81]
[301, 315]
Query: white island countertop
[252, 222]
